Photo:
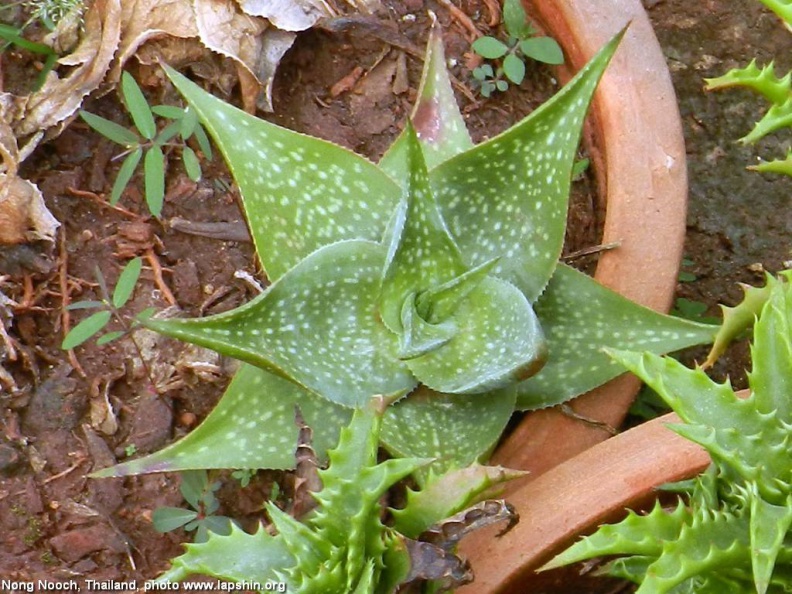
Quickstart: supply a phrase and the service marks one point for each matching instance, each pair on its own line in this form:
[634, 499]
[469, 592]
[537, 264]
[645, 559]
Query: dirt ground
[63, 416]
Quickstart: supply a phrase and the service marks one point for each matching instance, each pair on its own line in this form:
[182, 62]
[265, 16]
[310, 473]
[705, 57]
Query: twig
[100, 202]
[462, 19]
[596, 249]
[156, 267]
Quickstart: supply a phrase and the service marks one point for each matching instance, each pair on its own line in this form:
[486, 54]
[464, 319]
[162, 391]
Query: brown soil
[64, 416]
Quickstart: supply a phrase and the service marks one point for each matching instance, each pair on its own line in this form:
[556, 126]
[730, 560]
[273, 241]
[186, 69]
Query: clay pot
[634, 136]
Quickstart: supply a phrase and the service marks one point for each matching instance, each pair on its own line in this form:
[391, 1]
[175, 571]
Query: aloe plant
[432, 276]
[733, 535]
[776, 91]
[342, 545]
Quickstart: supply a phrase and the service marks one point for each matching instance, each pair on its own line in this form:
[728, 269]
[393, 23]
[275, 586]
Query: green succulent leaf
[741, 317]
[490, 48]
[424, 254]
[436, 116]
[299, 193]
[781, 8]
[769, 527]
[316, 326]
[447, 494]
[782, 166]
[238, 556]
[498, 341]
[427, 423]
[419, 337]
[761, 80]
[252, 427]
[507, 198]
[580, 317]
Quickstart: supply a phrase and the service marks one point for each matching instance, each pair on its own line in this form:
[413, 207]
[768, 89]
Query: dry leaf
[288, 15]
[23, 213]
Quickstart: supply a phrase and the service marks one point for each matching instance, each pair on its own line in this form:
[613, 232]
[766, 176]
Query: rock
[74, 545]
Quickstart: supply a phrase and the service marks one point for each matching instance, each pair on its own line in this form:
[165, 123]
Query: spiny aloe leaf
[781, 7]
[762, 80]
[251, 427]
[299, 192]
[508, 197]
[741, 317]
[427, 423]
[770, 525]
[777, 117]
[436, 116]
[712, 541]
[498, 341]
[238, 557]
[316, 326]
[580, 317]
[641, 535]
[783, 166]
[771, 353]
[425, 255]
[447, 494]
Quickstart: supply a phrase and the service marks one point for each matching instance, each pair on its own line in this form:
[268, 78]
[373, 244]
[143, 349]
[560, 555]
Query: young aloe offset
[436, 269]
[342, 546]
[733, 535]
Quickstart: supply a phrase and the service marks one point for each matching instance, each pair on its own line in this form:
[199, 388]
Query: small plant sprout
[432, 277]
[243, 475]
[522, 43]
[199, 493]
[731, 533]
[148, 144]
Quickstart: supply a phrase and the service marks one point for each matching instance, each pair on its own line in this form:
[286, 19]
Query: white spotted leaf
[435, 116]
[253, 426]
[498, 341]
[456, 430]
[418, 336]
[317, 326]
[299, 193]
[425, 255]
[508, 197]
[580, 317]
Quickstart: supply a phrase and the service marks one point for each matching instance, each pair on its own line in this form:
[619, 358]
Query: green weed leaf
[111, 130]
[489, 47]
[154, 178]
[191, 164]
[543, 49]
[110, 337]
[126, 282]
[86, 329]
[514, 69]
[85, 305]
[125, 173]
[165, 519]
[168, 111]
[138, 106]
[515, 19]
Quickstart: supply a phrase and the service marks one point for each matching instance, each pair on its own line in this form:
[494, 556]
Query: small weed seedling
[243, 475]
[199, 493]
[146, 143]
[731, 531]
[521, 44]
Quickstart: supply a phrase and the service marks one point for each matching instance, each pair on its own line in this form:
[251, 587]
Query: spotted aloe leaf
[316, 326]
[580, 317]
[253, 426]
[507, 198]
[436, 117]
[427, 423]
[299, 193]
